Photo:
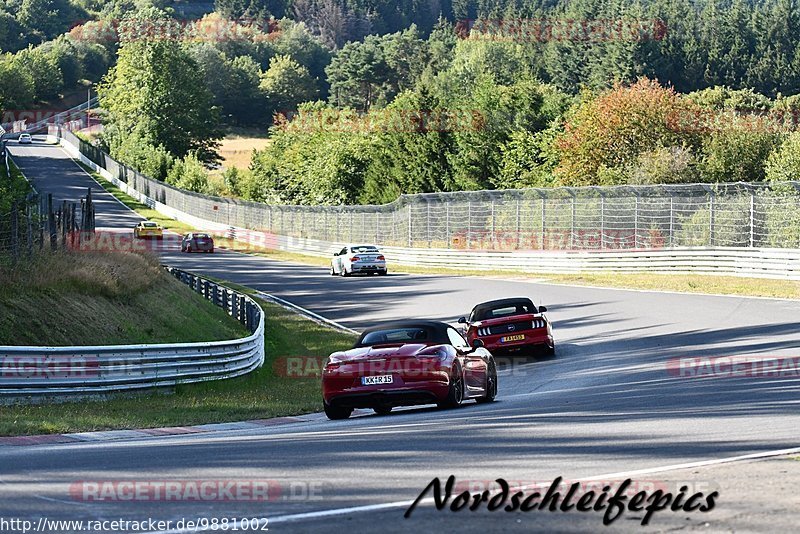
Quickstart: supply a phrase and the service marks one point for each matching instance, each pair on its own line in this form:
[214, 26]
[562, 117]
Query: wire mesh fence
[563, 218]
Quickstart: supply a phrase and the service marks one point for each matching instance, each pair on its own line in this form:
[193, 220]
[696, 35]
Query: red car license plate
[376, 380]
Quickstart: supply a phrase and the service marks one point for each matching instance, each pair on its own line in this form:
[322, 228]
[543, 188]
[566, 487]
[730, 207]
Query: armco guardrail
[57, 371]
[762, 262]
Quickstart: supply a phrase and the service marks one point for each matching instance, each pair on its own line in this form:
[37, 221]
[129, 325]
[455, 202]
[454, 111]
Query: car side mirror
[335, 254]
[542, 309]
[477, 343]
[462, 320]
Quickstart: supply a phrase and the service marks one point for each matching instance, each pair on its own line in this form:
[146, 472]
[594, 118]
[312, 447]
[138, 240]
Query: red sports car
[510, 325]
[407, 363]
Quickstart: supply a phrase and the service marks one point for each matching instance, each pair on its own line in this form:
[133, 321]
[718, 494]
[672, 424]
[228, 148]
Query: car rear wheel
[383, 410]
[383, 273]
[491, 385]
[333, 271]
[334, 413]
[189, 248]
[344, 271]
[455, 393]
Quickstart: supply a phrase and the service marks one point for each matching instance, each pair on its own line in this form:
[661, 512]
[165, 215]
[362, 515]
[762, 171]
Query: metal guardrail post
[410, 228]
[447, 223]
[711, 213]
[544, 222]
[636, 220]
[572, 220]
[492, 226]
[469, 224]
[428, 221]
[752, 217]
[602, 220]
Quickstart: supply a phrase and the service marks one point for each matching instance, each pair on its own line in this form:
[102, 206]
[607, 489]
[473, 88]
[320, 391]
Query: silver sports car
[351, 259]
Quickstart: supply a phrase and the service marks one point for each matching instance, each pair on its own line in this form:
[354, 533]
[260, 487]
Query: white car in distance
[352, 259]
[25, 139]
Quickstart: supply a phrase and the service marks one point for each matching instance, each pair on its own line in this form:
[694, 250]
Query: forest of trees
[369, 99]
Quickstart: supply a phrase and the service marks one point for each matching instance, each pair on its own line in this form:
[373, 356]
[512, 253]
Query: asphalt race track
[605, 405]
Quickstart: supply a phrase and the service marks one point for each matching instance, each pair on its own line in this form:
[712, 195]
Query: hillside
[104, 299]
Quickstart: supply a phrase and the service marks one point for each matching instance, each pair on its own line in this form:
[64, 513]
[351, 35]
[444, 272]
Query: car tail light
[538, 323]
[483, 331]
[438, 353]
[355, 258]
[381, 258]
[331, 365]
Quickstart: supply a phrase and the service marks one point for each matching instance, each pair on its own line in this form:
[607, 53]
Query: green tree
[611, 131]
[17, 89]
[286, 84]
[783, 164]
[43, 69]
[158, 91]
[189, 174]
[47, 18]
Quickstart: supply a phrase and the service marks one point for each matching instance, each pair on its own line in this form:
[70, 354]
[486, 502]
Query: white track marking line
[314, 316]
[545, 282]
[289, 518]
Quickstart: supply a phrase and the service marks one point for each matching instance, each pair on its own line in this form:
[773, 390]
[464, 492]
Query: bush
[737, 156]
[232, 179]
[731, 224]
[782, 217]
[664, 165]
[613, 129]
[783, 164]
[189, 174]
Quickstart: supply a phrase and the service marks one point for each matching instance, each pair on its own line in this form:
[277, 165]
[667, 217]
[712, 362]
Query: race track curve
[606, 404]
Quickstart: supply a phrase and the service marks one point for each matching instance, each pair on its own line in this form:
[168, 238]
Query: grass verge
[268, 392]
[684, 283]
[82, 298]
[15, 187]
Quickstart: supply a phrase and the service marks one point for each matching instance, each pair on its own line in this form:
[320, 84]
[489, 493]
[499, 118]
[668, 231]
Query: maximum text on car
[407, 363]
[510, 325]
[358, 259]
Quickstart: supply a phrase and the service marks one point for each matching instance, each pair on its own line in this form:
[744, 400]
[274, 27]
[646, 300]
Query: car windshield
[201, 236]
[363, 249]
[503, 310]
[395, 335]
[149, 225]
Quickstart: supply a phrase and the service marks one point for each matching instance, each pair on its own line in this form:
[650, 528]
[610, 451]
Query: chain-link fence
[580, 218]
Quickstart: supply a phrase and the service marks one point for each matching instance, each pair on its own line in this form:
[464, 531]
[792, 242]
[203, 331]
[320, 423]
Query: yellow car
[148, 229]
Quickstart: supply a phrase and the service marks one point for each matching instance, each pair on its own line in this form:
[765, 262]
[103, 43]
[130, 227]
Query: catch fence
[562, 218]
